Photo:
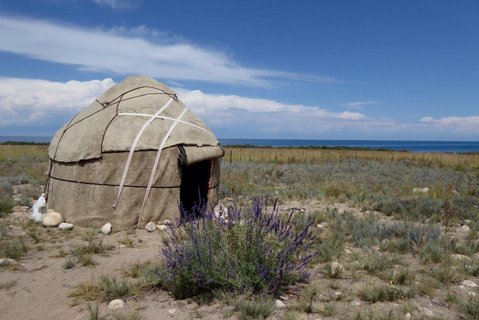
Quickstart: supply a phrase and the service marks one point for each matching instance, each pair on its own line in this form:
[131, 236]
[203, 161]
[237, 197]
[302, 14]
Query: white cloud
[134, 51]
[30, 101]
[468, 124]
[118, 4]
[264, 115]
[360, 104]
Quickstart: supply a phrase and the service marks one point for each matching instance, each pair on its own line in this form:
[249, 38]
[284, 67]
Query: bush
[255, 251]
[6, 204]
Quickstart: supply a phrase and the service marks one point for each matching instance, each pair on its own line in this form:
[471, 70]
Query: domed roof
[138, 113]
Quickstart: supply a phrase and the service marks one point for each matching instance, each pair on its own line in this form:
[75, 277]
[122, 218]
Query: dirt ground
[41, 285]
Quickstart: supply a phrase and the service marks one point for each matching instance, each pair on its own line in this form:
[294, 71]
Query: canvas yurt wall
[131, 157]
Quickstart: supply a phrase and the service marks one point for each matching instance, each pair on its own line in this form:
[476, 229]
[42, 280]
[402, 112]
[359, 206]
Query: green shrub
[258, 308]
[383, 292]
[254, 250]
[113, 288]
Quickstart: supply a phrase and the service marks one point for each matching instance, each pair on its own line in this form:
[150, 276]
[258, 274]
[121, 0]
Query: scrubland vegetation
[351, 238]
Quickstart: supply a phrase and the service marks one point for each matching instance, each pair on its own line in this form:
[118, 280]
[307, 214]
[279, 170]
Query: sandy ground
[42, 284]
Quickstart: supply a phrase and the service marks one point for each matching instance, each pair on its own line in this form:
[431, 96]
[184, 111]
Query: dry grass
[395, 261]
[320, 156]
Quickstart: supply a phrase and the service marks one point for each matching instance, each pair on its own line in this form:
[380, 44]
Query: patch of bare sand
[42, 285]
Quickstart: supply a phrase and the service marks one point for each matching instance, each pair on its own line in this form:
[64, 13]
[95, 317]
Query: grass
[105, 289]
[8, 284]
[14, 248]
[258, 308]
[402, 252]
[470, 309]
[383, 292]
[371, 180]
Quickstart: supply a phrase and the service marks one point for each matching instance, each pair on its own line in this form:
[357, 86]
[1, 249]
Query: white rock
[471, 294]
[407, 316]
[116, 304]
[65, 226]
[469, 283]
[171, 311]
[162, 227]
[52, 219]
[221, 211]
[420, 190]
[336, 268]
[279, 304]
[150, 226]
[6, 261]
[338, 293]
[460, 257]
[356, 303]
[426, 311]
[464, 228]
[106, 229]
[322, 225]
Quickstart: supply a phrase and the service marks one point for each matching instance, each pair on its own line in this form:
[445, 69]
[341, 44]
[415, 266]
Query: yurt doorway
[194, 186]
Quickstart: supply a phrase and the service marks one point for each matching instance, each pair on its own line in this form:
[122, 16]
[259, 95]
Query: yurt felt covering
[124, 158]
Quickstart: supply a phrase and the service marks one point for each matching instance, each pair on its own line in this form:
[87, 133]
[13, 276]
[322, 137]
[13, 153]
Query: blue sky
[251, 69]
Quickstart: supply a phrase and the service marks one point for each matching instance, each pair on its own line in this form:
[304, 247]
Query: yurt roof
[139, 112]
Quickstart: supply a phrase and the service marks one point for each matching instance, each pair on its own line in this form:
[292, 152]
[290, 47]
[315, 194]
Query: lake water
[413, 146]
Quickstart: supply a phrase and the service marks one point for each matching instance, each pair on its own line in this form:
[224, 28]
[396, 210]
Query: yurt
[132, 156]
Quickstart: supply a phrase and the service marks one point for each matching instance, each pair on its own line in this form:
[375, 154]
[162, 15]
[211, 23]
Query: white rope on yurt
[133, 147]
[165, 118]
[157, 160]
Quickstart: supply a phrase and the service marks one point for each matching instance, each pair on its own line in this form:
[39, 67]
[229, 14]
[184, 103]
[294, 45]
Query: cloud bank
[30, 102]
[123, 52]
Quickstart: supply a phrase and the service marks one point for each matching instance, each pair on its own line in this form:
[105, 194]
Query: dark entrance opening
[194, 188]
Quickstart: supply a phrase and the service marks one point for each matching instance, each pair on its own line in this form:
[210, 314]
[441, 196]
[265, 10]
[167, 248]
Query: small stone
[106, 229]
[116, 304]
[464, 228]
[150, 226]
[162, 227]
[338, 293]
[220, 211]
[6, 261]
[171, 311]
[65, 226]
[356, 303]
[460, 257]
[426, 311]
[407, 316]
[469, 283]
[52, 219]
[285, 298]
[336, 268]
[323, 225]
[279, 304]
[420, 190]
[471, 294]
